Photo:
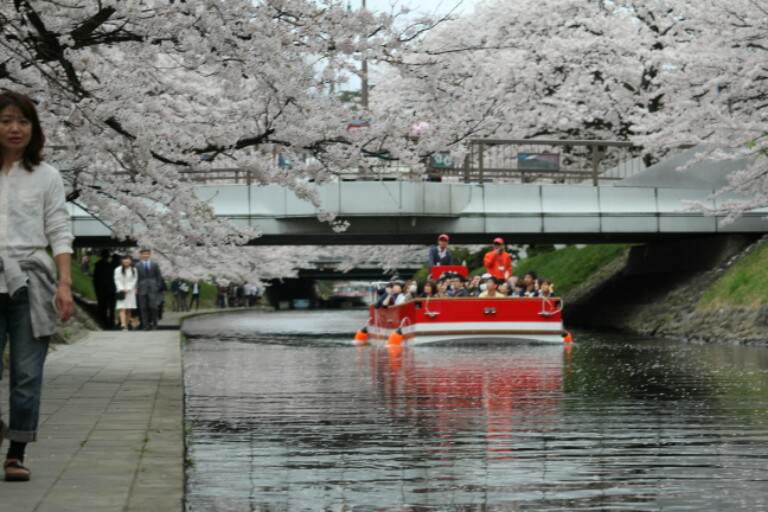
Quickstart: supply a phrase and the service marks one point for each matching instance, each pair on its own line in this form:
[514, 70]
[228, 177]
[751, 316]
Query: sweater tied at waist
[37, 277]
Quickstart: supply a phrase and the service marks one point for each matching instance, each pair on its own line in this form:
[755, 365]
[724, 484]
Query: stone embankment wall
[654, 290]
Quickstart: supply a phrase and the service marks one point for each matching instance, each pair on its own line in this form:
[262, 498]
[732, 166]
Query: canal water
[283, 413]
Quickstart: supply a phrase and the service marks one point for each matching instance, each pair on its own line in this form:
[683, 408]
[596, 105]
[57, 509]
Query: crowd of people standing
[237, 295]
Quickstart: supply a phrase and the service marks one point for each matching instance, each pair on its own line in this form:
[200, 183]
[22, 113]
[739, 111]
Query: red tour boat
[467, 319]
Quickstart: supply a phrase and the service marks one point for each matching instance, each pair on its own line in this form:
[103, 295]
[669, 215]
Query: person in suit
[439, 254]
[148, 289]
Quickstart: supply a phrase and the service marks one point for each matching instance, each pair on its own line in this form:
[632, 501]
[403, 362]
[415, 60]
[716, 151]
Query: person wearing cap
[439, 254]
[497, 261]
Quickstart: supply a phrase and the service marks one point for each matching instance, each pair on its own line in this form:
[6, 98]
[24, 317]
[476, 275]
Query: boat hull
[470, 320]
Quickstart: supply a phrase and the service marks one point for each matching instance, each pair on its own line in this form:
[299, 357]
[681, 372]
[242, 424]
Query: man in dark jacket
[148, 289]
[104, 286]
[439, 254]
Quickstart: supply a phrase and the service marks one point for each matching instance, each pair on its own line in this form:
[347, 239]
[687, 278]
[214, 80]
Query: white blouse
[33, 213]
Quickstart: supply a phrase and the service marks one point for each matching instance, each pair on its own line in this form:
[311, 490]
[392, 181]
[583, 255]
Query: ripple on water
[283, 418]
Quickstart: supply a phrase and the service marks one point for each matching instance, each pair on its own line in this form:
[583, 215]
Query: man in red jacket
[497, 261]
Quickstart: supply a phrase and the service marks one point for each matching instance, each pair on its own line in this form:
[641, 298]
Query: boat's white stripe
[542, 338]
[482, 326]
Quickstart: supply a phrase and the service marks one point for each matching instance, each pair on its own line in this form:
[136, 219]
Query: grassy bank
[743, 285]
[570, 266]
[82, 284]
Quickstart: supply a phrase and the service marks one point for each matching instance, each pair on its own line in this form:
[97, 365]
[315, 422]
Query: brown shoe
[15, 472]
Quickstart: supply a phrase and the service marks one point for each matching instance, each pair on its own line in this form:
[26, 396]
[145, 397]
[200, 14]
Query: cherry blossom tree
[663, 73]
[713, 75]
[134, 93]
[552, 68]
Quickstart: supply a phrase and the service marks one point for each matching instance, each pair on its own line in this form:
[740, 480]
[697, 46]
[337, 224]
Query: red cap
[498, 241]
[443, 236]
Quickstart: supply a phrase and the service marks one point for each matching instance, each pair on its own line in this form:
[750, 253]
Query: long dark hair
[33, 153]
[122, 267]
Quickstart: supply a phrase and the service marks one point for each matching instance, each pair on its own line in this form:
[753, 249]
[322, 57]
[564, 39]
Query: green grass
[745, 284]
[81, 283]
[570, 266]
[567, 267]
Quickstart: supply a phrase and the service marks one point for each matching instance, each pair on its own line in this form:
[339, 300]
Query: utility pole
[364, 80]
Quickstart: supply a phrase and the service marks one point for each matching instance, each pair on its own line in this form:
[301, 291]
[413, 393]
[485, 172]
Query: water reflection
[287, 422]
[472, 389]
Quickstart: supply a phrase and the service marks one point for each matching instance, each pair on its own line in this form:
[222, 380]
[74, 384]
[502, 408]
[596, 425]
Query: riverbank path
[111, 434]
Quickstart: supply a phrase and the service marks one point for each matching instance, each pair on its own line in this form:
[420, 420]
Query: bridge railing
[539, 161]
[488, 160]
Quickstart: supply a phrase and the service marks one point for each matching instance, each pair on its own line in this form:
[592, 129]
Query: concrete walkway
[111, 433]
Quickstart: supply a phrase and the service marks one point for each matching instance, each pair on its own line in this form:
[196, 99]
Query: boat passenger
[439, 254]
[483, 286]
[406, 294]
[390, 296]
[519, 290]
[474, 286]
[442, 286]
[531, 283]
[497, 261]
[459, 290]
[504, 288]
[491, 290]
[383, 293]
[546, 289]
[450, 283]
[429, 290]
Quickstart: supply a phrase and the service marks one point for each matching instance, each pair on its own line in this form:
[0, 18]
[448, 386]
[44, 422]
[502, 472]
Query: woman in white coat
[125, 281]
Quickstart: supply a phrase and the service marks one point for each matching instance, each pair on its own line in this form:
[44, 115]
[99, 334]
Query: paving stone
[111, 431]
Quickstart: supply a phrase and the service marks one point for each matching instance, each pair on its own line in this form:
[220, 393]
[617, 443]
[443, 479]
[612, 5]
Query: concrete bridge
[648, 206]
[413, 212]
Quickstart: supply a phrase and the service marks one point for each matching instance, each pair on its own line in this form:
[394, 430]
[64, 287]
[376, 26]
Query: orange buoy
[361, 337]
[396, 337]
[567, 338]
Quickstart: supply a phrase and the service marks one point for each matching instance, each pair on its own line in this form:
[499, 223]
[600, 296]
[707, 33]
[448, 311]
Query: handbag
[120, 295]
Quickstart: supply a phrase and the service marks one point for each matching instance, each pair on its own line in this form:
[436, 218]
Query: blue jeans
[26, 366]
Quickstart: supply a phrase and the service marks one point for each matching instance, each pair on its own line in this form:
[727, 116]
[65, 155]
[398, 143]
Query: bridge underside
[388, 213]
[371, 237]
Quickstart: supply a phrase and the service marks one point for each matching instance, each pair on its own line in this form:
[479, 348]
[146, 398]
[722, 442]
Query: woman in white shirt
[33, 216]
[125, 282]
